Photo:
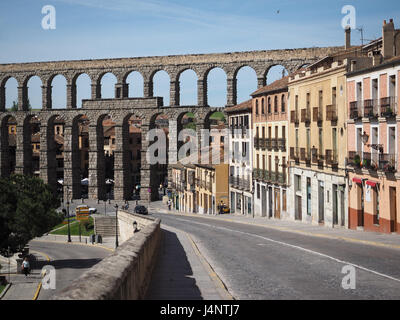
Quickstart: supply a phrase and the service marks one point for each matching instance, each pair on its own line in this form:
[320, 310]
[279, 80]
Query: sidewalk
[339, 233]
[26, 287]
[182, 273]
[107, 242]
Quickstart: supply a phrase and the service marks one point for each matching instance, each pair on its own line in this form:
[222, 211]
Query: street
[69, 260]
[260, 263]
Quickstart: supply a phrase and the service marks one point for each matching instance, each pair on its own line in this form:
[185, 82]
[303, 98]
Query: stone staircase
[105, 226]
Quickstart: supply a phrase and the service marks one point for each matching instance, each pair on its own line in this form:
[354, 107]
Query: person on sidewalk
[26, 266]
[169, 204]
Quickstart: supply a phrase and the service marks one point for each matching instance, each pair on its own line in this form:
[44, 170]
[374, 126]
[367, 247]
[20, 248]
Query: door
[321, 202]
[342, 208]
[335, 204]
[270, 202]
[263, 201]
[298, 214]
[277, 204]
[393, 209]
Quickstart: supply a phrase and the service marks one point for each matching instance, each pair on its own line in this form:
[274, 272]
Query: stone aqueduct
[121, 108]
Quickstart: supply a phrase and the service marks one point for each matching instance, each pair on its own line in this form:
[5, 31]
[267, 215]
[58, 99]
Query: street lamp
[105, 204]
[116, 225]
[69, 230]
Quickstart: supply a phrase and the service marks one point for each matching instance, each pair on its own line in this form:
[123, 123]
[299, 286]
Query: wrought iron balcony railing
[331, 112]
[317, 114]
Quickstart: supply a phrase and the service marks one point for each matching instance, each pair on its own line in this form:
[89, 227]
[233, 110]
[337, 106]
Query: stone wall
[125, 224]
[124, 275]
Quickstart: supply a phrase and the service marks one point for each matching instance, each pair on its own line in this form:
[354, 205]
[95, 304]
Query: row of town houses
[320, 145]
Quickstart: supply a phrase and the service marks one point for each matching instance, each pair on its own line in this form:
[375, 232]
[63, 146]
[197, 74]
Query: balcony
[268, 144]
[370, 108]
[331, 112]
[256, 173]
[234, 181]
[305, 115]
[294, 153]
[282, 144]
[257, 143]
[294, 117]
[263, 143]
[244, 184]
[274, 144]
[317, 114]
[388, 162]
[388, 107]
[305, 155]
[314, 155]
[355, 110]
[331, 157]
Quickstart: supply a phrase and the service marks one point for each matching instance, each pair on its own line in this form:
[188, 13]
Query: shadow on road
[171, 278]
[68, 263]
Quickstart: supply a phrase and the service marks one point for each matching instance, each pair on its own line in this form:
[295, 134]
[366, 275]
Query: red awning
[357, 180]
[371, 183]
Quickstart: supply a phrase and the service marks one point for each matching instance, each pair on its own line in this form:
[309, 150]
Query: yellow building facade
[317, 143]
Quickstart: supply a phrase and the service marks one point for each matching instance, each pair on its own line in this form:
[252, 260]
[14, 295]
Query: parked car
[91, 210]
[225, 209]
[141, 210]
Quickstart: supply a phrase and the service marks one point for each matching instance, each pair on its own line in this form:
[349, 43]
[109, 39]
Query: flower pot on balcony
[357, 161]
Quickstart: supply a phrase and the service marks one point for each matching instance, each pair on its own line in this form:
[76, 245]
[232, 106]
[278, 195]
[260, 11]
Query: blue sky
[90, 29]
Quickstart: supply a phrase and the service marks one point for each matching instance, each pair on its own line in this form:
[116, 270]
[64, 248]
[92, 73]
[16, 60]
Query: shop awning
[357, 180]
[371, 183]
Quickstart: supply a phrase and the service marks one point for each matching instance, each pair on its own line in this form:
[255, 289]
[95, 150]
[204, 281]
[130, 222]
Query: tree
[15, 106]
[27, 210]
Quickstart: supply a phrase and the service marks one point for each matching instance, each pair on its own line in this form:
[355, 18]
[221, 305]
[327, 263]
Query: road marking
[298, 247]
[40, 283]
[317, 235]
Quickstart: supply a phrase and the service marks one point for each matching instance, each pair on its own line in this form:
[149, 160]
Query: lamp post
[116, 225]
[105, 204]
[69, 230]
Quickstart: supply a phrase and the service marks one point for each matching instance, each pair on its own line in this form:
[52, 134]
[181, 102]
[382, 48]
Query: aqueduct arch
[122, 107]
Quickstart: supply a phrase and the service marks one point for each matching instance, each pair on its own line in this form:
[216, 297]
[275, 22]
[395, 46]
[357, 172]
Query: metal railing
[373, 108]
[331, 112]
[305, 115]
[331, 157]
[317, 114]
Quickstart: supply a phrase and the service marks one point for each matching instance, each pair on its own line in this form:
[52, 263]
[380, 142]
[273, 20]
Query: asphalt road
[69, 260]
[260, 263]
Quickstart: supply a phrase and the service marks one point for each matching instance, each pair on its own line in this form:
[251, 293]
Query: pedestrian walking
[26, 266]
[169, 204]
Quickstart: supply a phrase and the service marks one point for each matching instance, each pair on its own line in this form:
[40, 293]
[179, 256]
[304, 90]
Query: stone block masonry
[125, 275]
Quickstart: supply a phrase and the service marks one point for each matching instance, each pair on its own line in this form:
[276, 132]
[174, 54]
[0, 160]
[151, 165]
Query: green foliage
[15, 106]
[27, 210]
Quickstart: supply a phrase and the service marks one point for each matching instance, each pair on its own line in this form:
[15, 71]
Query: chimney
[388, 39]
[347, 33]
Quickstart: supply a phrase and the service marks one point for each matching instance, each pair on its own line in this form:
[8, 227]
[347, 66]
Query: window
[258, 191]
[276, 104]
[256, 107]
[283, 107]
[320, 101]
[262, 106]
[269, 105]
[297, 182]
